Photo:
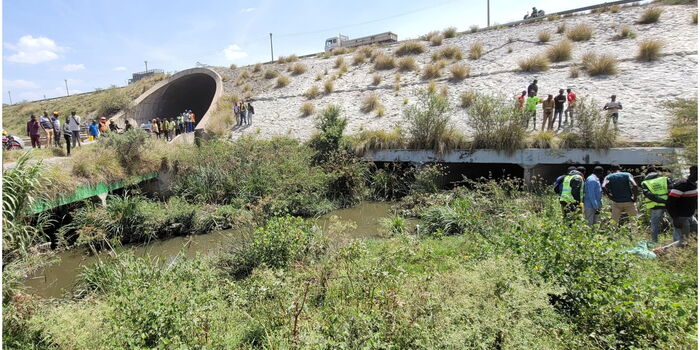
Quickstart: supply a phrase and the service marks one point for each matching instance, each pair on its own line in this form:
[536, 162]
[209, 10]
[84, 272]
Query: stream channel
[55, 280]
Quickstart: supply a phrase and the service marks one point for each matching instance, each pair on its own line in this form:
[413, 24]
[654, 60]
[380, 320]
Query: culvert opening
[193, 91]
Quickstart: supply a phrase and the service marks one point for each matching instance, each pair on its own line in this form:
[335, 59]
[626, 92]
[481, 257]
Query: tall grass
[287, 59]
[684, 127]
[358, 59]
[459, 72]
[651, 15]
[384, 62]
[429, 126]
[410, 48]
[559, 52]
[537, 63]
[580, 32]
[597, 65]
[339, 62]
[373, 140]
[591, 129]
[496, 124]
[432, 71]
[476, 50]
[454, 53]
[407, 64]
[649, 50]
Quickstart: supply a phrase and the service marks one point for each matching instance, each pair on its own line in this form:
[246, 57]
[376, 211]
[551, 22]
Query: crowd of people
[556, 107]
[168, 128]
[243, 113]
[53, 129]
[662, 197]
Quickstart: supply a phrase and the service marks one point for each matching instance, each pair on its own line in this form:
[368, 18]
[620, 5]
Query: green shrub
[592, 129]
[429, 126]
[111, 102]
[649, 50]
[331, 126]
[559, 52]
[651, 15]
[533, 64]
[684, 127]
[496, 124]
[580, 32]
[410, 48]
[128, 146]
[428, 179]
[280, 242]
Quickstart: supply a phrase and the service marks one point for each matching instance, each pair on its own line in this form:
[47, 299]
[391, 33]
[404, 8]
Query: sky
[99, 43]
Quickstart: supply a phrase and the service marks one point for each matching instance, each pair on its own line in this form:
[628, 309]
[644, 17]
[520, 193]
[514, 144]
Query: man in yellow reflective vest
[571, 194]
[655, 189]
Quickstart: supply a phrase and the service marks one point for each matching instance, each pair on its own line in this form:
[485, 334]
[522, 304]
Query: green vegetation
[496, 124]
[684, 127]
[626, 32]
[649, 50]
[429, 126]
[580, 32]
[410, 48]
[592, 128]
[651, 15]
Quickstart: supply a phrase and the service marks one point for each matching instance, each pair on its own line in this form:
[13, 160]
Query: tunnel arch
[197, 89]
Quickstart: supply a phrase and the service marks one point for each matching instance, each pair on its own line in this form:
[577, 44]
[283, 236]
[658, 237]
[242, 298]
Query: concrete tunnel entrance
[196, 89]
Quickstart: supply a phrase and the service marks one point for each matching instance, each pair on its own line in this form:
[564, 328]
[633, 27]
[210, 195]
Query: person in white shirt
[74, 125]
[613, 107]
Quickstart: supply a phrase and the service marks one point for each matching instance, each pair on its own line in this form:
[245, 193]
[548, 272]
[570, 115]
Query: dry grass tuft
[288, 59]
[615, 8]
[282, 81]
[536, 63]
[397, 82]
[407, 64]
[474, 29]
[436, 40]
[432, 71]
[467, 98]
[380, 111]
[319, 76]
[574, 71]
[450, 32]
[626, 32]
[376, 79]
[232, 66]
[561, 28]
[270, 74]
[451, 53]
[312, 92]
[649, 50]
[384, 62]
[298, 69]
[244, 75]
[342, 70]
[596, 65]
[358, 59]
[476, 50]
[257, 67]
[328, 86]
[651, 15]
[306, 109]
[340, 51]
[559, 52]
[410, 48]
[459, 72]
[694, 18]
[544, 36]
[339, 62]
[580, 32]
[368, 51]
[370, 103]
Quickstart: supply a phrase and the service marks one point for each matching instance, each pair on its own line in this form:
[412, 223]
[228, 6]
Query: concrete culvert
[197, 89]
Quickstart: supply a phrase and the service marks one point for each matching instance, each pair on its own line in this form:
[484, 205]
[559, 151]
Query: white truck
[344, 41]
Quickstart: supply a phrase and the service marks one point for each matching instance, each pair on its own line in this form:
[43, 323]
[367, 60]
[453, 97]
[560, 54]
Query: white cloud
[249, 9]
[120, 68]
[233, 52]
[33, 50]
[73, 67]
[19, 84]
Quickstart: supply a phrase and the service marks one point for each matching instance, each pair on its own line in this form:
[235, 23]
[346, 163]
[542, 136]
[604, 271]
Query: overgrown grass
[599, 64]
[559, 52]
[407, 64]
[384, 62]
[580, 32]
[429, 126]
[651, 15]
[410, 48]
[684, 127]
[496, 124]
[574, 71]
[459, 72]
[532, 64]
[649, 50]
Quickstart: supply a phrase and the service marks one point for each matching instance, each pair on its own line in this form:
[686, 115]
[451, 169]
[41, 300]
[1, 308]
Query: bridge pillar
[103, 198]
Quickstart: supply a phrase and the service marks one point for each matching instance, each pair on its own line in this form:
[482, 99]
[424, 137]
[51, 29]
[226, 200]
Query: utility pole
[9, 95]
[488, 13]
[67, 93]
[146, 63]
[272, 56]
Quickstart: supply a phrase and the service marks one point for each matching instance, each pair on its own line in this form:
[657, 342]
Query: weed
[649, 50]
[298, 69]
[496, 124]
[340, 51]
[342, 70]
[244, 75]
[384, 62]
[603, 64]
[111, 102]
[651, 15]
[410, 48]
[467, 98]
[559, 52]
[553, 18]
[397, 82]
[580, 32]
[626, 32]
[232, 66]
[372, 140]
[312, 92]
[282, 81]
[380, 111]
[376, 79]
[510, 50]
[431, 71]
[306, 109]
[429, 125]
[370, 103]
[271, 74]
[459, 72]
[319, 77]
[476, 50]
[684, 127]
[407, 64]
[543, 36]
[543, 139]
[328, 86]
[537, 63]
[450, 32]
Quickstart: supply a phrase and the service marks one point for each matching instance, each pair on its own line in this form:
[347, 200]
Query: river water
[58, 279]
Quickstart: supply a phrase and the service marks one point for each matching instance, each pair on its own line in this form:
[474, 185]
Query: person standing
[613, 107]
[569, 113]
[620, 187]
[531, 111]
[154, 128]
[682, 204]
[56, 124]
[251, 111]
[74, 124]
[244, 112]
[236, 113]
[571, 195]
[559, 101]
[103, 127]
[547, 110]
[67, 134]
[193, 119]
[33, 128]
[520, 101]
[92, 130]
[655, 189]
[532, 89]
[593, 196]
[127, 125]
[47, 126]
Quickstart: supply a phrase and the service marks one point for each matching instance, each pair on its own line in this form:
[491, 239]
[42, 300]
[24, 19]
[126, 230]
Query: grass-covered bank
[491, 268]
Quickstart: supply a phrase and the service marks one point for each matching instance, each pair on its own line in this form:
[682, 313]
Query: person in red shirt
[569, 113]
[33, 128]
[520, 101]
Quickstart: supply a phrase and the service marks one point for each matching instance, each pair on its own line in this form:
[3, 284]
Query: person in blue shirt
[92, 129]
[593, 196]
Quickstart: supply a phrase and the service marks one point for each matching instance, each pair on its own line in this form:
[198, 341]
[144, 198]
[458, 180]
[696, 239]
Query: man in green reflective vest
[655, 189]
[571, 195]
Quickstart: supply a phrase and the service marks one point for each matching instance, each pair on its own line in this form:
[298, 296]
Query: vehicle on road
[344, 41]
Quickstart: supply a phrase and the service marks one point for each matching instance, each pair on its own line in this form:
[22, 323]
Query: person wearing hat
[56, 129]
[613, 107]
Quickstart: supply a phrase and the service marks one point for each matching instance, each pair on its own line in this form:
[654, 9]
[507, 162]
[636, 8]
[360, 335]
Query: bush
[358, 59]
[436, 40]
[649, 50]
[651, 15]
[559, 52]
[450, 32]
[537, 63]
[376, 79]
[128, 146]
[339, 62]
[383, 62]
[543, 139]
[626, 32]
[476, 50]
[410, 48]
[543, 36]
[580, 32]
[431, 71]
[496, 124]
[328, 86]
[454, 53]
[306, 109]
[312, 92]
[428, 179]
[270, 74]
[467, 98]
[459, 72]
[282, 81]
[370, 103]
[407, 64]
[684, 127]
[591, 127]
[561, 28]
[327, 142]
[429, 125]
[111, 102]
[297, 69]
[597, 65]
[372, 140]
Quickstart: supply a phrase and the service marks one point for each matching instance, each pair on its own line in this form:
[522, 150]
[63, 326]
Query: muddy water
[361, 221]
